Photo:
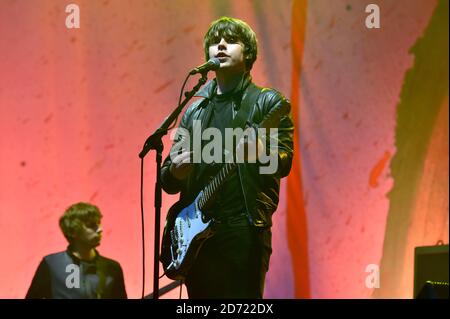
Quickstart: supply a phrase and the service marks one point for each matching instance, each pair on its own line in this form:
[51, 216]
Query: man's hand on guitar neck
[181, 165]
[250, 147]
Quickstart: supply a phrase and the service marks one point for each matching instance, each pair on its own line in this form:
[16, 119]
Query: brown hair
[232, 29]
[77, 215]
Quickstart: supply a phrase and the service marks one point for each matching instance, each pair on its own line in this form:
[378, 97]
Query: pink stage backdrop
[370, 177]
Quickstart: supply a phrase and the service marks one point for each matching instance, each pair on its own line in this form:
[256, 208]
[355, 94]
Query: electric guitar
[187, 227]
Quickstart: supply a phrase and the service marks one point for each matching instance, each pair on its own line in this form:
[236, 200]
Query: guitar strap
[248, 100]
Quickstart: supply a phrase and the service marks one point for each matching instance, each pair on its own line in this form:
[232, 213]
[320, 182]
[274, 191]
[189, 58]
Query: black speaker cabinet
[431, 272]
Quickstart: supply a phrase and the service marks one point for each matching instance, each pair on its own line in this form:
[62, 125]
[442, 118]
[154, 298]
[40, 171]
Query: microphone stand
[154, 142]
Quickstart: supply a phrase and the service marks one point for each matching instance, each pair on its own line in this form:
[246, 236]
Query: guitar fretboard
[210, 190]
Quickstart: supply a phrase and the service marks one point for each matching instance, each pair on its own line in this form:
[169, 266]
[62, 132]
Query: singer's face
[230, 53]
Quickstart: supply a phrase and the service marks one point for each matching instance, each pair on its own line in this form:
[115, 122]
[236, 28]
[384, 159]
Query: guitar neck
[214, 185]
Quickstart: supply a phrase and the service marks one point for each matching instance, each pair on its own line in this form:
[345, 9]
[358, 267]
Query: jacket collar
[77, 260]
[210, 88]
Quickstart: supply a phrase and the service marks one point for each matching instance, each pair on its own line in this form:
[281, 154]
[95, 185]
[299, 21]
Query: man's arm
[119, 286]
[178, 164]
[284, 138]
[41, 284]
[285, 146]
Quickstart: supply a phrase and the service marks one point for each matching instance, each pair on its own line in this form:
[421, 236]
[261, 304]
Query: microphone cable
[142, 227]
[179, 101]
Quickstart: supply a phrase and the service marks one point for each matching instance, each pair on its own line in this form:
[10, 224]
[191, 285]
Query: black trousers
[231, 264]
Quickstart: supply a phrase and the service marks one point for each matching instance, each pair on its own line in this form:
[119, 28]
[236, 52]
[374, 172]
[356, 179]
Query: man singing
[234, 261]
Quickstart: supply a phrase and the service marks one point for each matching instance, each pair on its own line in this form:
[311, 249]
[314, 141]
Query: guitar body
[185, 231]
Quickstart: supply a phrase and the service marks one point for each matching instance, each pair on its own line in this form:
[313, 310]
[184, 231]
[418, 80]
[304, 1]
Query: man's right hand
[181, 165]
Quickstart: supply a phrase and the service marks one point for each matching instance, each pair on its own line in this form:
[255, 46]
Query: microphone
[212, 64]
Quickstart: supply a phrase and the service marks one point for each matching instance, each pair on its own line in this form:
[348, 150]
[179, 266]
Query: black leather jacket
[261, 191]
